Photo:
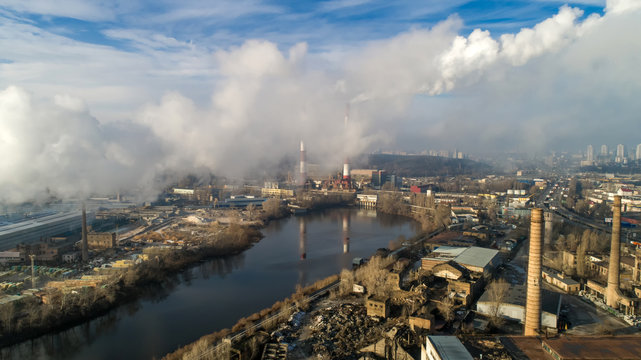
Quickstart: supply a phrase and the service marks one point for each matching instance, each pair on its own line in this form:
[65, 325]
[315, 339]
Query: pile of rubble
[338, 331]
[487, 348]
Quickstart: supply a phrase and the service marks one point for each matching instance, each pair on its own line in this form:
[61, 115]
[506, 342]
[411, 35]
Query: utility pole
[33, 272]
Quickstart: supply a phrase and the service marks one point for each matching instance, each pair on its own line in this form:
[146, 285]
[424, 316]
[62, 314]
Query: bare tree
[373, 276]
[273, 208]
[446, 308]
[497, 291]
[251, 209]
[347, 282]
[7, 313]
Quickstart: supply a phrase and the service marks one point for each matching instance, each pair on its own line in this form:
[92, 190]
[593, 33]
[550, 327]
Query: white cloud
[558, 77]
[77, 9]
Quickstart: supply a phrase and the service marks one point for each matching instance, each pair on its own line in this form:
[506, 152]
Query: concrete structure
[533, 303]
[302, 175]
[385, 348]
[425, 322]
[101, 240]
[513, 306]
[244, 201]
[638, 153]
[590, 154]
[48, 250]
[85, 244]
[10, 257]
[444, 348]
[561, 281]
[378, 307]
[367, 200]
[276, 192]
[613, 292]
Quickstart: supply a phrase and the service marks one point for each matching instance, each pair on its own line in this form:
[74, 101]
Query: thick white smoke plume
[265, 100]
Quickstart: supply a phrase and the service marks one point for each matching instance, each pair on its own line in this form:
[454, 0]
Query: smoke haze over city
[93, 101]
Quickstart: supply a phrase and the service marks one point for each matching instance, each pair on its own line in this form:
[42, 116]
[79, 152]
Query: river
[214, 294]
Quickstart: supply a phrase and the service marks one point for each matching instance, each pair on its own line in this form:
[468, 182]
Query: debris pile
[339, 331]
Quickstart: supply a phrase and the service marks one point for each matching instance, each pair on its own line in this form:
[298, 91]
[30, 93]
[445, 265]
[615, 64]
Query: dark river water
[213, 295]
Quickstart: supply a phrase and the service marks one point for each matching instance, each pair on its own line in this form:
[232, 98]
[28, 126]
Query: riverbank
[60, 310]
[265, 320]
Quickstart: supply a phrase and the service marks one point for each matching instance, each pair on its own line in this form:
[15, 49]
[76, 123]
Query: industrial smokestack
[346, 174]
[302, 176]
[302, 238]
[612, 293]
[85, 244]
[345, 233]
[533, 297]
[549, 219]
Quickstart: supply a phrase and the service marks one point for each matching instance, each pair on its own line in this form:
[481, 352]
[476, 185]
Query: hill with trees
[424, 166]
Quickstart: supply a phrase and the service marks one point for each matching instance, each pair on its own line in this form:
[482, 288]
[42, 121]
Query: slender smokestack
[346, 174]
[345, 233]
[302, 176]
[612, 292]
[533, 297]
[302, 238]
[549, 219]
[85, 244]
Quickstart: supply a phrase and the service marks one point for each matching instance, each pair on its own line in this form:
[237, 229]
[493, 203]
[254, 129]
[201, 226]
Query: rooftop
[449, 347]
[467, 256]
[564, 279]
[596, 347]
[517, 293]
[42, 221]
[476, 256]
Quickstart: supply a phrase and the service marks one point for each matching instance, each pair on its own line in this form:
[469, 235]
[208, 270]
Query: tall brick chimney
[612, 291]
[533, 299]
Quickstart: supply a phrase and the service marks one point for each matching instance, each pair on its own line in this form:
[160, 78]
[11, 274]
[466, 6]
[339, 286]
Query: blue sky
[321, 24]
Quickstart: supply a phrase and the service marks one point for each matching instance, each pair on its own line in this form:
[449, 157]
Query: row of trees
[426, 211]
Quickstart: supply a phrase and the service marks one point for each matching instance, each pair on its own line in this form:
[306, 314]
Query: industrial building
[513, 306]
[378, 307]
[443, 347]
[32, 230]
[593, 347]
[574, 347]
[101, 241]
[244, 201]
[50, 249]
[561, 281]
[475, 259]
